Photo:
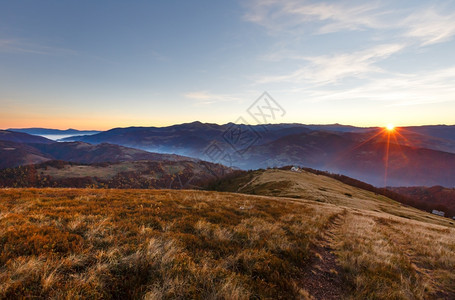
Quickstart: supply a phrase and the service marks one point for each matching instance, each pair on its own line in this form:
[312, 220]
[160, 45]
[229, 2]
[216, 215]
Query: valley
[416, 156]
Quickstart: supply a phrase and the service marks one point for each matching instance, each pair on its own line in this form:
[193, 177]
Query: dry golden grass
[103, 172]
[164, 244]
[386, 257]
[320, 188]
[69, 243]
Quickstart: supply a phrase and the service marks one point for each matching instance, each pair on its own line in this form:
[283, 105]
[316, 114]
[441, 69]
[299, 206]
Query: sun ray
[360, 144]
[409, 143]
[387, 157]
[389, 135]
[343, 154]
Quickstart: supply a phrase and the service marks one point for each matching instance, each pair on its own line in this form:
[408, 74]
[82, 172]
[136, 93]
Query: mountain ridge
[51, 131]
[275, 145]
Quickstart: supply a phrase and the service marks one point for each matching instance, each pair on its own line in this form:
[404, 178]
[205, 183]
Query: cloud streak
[387, 33]
[25, 47]
[328, 69]
[427, 25]
[394, 90]
[277, 15]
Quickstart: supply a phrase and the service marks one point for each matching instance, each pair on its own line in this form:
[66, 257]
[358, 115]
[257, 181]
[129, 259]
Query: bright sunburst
[390, 127]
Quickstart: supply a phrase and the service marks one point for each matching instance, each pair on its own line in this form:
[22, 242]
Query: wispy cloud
[332, 68]
[389, 32]
[436, 86]
[279, 15]
[27, 47]
[206, 97]
[426, 25]
[429, 26]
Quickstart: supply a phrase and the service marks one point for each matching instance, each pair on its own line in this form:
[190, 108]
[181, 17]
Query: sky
[104, 64]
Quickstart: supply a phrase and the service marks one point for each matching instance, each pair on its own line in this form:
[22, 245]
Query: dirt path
[321, 278]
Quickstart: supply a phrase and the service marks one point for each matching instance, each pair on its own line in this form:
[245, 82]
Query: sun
[390, 127]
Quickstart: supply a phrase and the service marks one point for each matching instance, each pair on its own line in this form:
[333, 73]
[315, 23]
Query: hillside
[20, 137]
[436, 197]
[132, 244]
[417, 155]
[86, 153]
[356, 157]
[18, 154]
[319, 188]
[148, 174]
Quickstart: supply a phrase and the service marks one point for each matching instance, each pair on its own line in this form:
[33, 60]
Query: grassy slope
[107, 171]
[69, 243]
[436, 197]
[129, 174]
[136, 243]
[305, 185]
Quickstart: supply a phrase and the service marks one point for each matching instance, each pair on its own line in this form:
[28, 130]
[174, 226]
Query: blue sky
[104, 64]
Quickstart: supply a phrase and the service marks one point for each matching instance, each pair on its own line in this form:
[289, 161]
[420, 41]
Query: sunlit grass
[70, 243]
[133, 244]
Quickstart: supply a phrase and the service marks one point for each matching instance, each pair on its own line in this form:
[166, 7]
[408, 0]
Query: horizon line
[210, 123]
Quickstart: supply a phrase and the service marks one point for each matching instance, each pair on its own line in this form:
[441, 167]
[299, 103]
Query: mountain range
[375, 161]
[408, 156]
[48, 131]
[407, 160]
[17, 149]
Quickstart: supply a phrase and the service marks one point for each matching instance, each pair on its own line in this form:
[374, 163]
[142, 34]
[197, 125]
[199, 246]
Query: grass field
[123, 175]
[320, 188]
[163, 244]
